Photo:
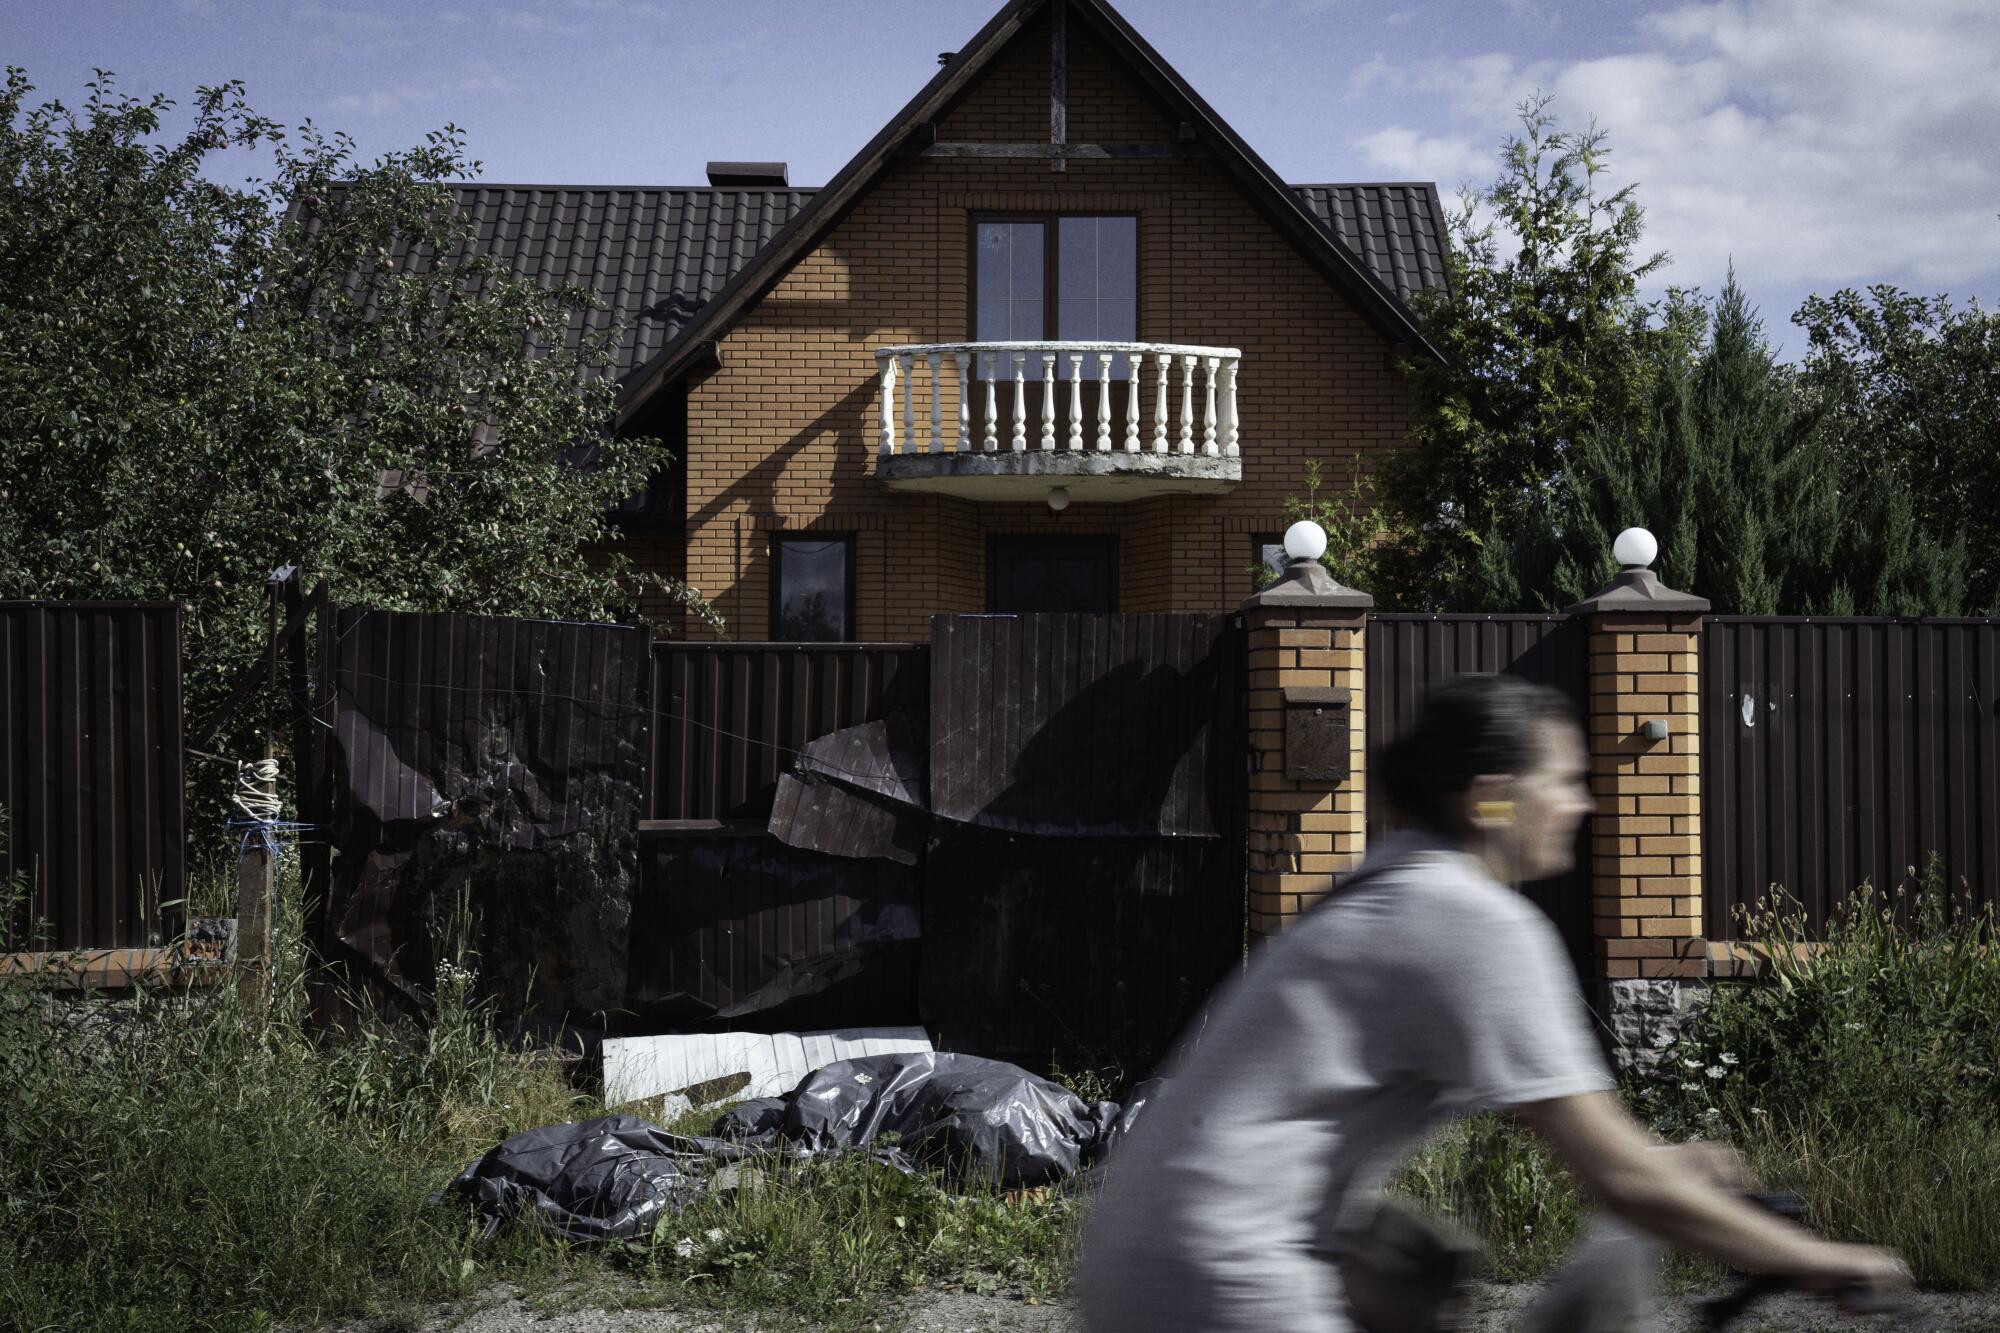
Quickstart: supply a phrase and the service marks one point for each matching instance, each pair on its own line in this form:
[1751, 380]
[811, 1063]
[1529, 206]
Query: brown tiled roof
[658, 254]
[1397, 230]
[654, 254]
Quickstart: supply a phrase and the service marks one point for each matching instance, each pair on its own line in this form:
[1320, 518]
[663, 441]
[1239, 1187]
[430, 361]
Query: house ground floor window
[812, 587]
[1028, 573]
[1268, 550]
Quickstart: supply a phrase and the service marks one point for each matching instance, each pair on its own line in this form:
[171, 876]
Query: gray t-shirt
[1425, 991]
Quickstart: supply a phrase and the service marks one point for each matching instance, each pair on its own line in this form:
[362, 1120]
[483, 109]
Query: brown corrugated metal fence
[1084, 881]
[734, 929]
[729, 718]
[90, 770]
[1407, 654]
[1841, 750]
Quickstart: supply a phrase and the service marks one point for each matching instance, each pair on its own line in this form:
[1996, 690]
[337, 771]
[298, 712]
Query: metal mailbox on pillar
[1317, 745]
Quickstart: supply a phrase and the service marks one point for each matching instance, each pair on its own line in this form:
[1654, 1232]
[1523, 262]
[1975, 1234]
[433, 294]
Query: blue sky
[1817, 143]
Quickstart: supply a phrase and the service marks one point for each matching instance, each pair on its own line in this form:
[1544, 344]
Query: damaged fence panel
[494, 767]
[730, 718]
[735, 930]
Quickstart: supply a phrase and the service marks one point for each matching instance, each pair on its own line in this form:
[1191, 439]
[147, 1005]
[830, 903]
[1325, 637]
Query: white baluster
[1132, 403]
[1048, 400]
[1020, 402]
[1229, 431]
[1163, 362]
[1076, 400]
[964, 362]
[992, 408]
[1187, 403]
[1103, 402]
[1208, 408]
[908, 360]
[937, 400]
[887, 365]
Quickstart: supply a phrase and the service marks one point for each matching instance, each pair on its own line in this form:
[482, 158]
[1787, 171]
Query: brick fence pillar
[1644, 729]
[1308, 799]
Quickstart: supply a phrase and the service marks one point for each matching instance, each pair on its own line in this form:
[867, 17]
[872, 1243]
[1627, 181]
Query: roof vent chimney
[946, 57]
[747, 175]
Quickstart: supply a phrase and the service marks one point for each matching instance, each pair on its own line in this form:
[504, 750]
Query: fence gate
[1407, 654]
[1841, 750]
[1084, 879]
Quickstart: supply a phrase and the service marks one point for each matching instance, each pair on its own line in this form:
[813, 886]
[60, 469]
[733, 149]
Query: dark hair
[1469, 726]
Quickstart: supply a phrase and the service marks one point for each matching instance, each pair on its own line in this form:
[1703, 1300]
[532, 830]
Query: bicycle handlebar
[1857, 1298]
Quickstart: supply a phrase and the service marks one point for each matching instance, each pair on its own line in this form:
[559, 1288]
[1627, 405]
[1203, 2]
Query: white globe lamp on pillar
[1305, 540]
[1305, 582]
[1634, 548]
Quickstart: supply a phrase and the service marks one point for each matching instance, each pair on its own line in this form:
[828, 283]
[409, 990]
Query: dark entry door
[1028, 574]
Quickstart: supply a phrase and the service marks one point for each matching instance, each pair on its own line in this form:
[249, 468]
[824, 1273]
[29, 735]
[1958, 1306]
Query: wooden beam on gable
[1061, 152]
[1058, 82]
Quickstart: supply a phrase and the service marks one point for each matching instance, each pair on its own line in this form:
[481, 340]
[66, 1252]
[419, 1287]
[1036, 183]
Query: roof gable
[1316, 236]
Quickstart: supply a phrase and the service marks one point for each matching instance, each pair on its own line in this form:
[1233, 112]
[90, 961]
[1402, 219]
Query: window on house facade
[1048, 572]
[1056, 277]
[1267, 549]
[812, 588]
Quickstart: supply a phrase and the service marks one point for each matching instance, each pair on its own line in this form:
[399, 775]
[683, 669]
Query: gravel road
[956, 1312]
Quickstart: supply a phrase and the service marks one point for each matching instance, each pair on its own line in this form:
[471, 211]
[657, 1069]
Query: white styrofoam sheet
[637, 1067]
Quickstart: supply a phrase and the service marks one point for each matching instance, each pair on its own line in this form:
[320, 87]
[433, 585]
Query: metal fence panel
[1841, 750]
[91, 769]
[495, 766]
[735, 931]
[733, 928]
[1084, 882]
[1409, 653]
[728, 718]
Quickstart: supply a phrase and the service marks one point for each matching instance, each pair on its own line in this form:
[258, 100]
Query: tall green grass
[1863, 1069]
[170, 1161]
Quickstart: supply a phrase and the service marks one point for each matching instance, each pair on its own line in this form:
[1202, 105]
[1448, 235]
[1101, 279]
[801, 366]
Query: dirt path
[957, 1312]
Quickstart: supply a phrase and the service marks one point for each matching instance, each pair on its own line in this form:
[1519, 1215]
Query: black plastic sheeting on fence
[493, 767]
[735, 931]
[974, 1120]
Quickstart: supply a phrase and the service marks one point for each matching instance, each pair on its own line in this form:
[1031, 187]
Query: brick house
[854, 377]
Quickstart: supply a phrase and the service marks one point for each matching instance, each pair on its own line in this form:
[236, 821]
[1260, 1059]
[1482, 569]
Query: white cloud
[1814, 141]
[381, 101]
[1404, 154]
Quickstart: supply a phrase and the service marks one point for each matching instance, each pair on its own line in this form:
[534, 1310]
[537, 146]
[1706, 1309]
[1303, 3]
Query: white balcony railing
[970, 382]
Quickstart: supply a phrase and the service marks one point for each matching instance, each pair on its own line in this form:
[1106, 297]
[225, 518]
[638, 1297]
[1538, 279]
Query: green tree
[1353, 532]
[199, 383]
[1746, 499]
[1544, 341]
[1905, 392]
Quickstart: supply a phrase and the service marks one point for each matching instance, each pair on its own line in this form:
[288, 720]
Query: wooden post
[257, 866]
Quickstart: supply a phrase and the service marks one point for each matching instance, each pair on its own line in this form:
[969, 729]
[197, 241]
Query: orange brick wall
[1301, 833]
[1646, 881]
[783, 436]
